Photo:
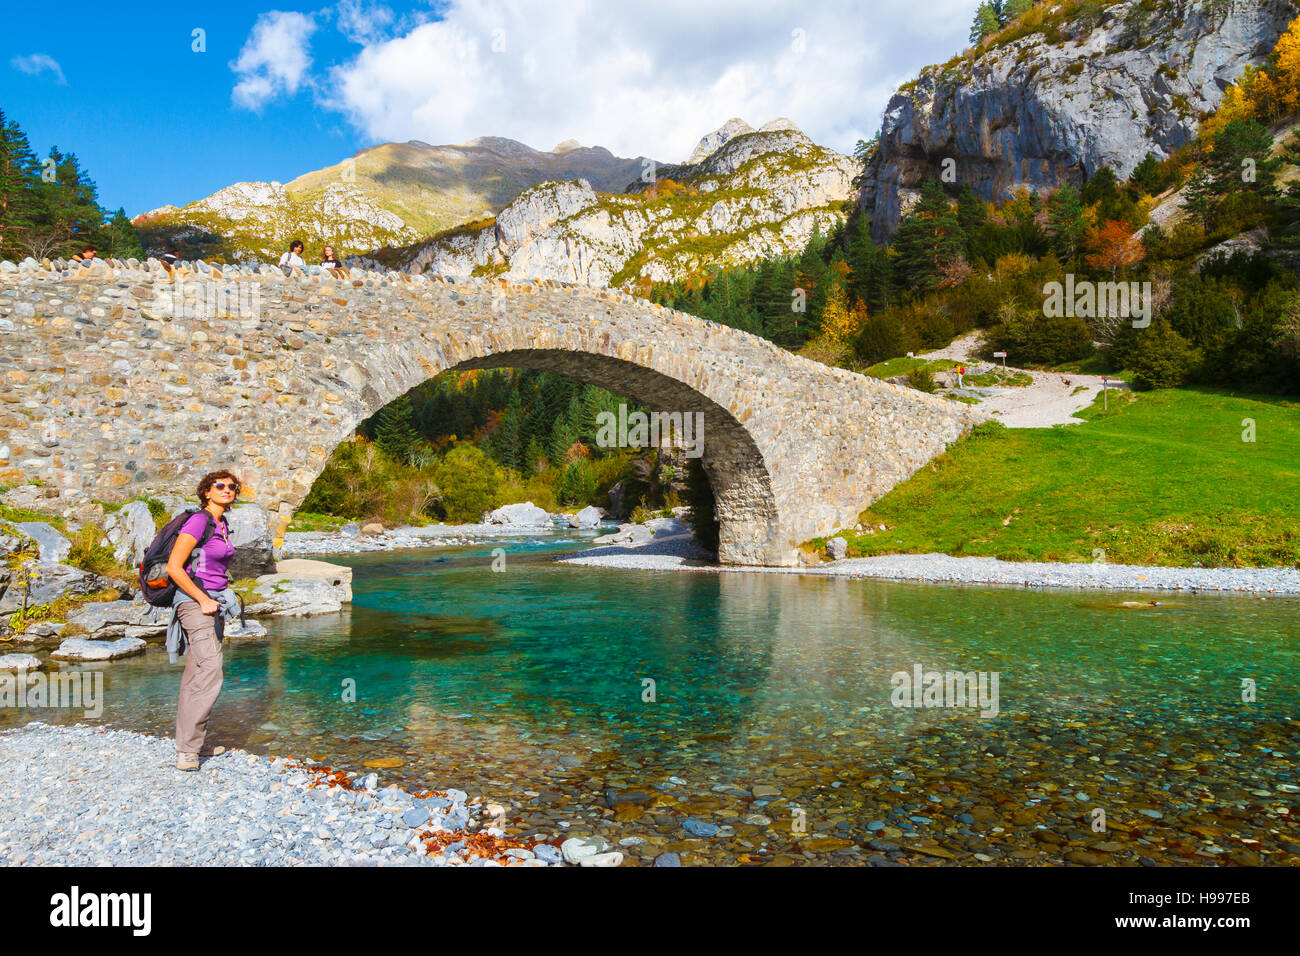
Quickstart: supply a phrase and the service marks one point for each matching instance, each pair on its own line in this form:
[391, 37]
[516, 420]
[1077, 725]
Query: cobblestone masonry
[121, 379]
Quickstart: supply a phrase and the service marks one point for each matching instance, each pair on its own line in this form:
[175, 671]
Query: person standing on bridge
[329, 259]
[203, 602]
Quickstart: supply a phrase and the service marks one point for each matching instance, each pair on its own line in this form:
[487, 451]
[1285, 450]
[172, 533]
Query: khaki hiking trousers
[201, 682]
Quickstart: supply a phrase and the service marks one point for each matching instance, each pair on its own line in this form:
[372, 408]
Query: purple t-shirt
[208, 564]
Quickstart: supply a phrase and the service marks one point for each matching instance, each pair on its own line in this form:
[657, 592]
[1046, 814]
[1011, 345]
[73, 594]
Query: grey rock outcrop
[297, 597]
[1039, 112]
[131, 530]
[250, 534]
[81, 649]
[54, 547]
[105, 619]
[51, 581]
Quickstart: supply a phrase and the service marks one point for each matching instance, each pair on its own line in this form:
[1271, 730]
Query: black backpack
[155, 586]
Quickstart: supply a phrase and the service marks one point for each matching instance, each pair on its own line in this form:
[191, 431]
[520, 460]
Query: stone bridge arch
[124, 379]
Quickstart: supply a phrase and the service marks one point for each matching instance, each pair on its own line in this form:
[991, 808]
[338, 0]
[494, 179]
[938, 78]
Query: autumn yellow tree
[1284, 71]
[837, 320]
[1266, 94]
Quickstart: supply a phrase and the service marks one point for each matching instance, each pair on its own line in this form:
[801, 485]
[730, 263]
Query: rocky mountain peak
[711, 142]
[780, 123]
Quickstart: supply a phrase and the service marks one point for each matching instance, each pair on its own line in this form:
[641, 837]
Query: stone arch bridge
[120, 379]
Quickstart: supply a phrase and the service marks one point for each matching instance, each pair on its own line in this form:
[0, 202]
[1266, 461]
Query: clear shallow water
[527, 686]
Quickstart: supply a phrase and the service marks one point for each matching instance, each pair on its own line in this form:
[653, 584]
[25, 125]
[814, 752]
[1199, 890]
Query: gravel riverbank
[680, 554]
[95, 796]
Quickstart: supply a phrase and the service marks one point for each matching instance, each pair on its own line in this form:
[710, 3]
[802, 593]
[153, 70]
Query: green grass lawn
[999, 379]
[905, 365]
[310, 521]
[1161, 478]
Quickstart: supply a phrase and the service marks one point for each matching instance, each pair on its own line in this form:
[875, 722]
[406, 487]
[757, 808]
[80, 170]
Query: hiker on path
[203, 602]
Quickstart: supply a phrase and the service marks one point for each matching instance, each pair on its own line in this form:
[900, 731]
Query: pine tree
[1015, 9]
[68, 209]
[123, 242]
[1065, 214]
[871, 269]
[1200, 196]
[18, 178]
[507, 443]
[395, 432]
[927, 239]
[987, 21]
[1242, 159]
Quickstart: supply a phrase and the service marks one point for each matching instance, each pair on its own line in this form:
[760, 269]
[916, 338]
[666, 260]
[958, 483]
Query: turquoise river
[743, 717]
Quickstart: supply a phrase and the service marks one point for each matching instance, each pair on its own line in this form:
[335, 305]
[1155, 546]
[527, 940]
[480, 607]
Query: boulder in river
[588, 517]
[19, 662]
[626, 534]
[522, 515]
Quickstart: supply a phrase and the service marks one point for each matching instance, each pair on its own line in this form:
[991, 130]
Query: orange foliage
[1114, 247]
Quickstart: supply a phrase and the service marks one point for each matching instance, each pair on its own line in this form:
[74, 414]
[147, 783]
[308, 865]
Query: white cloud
[361, 23]
[643, 80]
[37, 63]
[274, 59]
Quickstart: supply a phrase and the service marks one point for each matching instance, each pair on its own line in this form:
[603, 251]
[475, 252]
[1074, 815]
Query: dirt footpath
[1051, 400]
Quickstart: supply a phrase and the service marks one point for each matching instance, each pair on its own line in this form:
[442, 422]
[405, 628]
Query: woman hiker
[203, 603]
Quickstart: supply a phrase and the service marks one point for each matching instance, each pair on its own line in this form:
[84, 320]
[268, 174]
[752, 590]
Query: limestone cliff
[1071, 88]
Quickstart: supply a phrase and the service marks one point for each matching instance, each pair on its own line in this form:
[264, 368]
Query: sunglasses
[222, 486]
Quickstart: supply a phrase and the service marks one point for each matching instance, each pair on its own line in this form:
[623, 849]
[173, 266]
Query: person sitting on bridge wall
[293, 258]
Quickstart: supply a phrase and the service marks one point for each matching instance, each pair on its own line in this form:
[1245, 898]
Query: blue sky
[285, 88]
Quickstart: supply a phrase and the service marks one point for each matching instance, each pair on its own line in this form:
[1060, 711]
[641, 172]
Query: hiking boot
[186, 761]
